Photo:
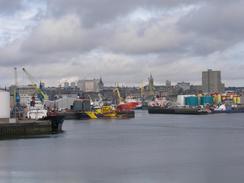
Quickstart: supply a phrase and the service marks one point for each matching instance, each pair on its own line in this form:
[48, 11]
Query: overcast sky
[121, 41]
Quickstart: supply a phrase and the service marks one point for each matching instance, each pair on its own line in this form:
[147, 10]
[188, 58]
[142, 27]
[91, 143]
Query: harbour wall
[11, 130]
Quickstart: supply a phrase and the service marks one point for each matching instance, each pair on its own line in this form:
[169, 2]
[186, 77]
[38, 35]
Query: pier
[24, 128]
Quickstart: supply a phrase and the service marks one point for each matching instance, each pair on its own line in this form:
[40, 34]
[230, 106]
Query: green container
[191, 101]
[207, 100]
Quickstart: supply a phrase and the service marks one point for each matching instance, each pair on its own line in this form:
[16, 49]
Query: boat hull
[186, 111]
[56, 123]
[229, 111]
[126, 114]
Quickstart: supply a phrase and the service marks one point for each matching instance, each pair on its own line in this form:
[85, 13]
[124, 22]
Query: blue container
[191, 101]
[207, 100]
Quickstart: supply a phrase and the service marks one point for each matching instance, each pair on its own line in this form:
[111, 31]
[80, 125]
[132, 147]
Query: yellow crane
[116, 91]
[39, 91]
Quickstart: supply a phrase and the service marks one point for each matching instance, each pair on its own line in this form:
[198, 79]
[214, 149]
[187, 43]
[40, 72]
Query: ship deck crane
[100, 97]
[91, 101]
[40, 92]
[17, 110]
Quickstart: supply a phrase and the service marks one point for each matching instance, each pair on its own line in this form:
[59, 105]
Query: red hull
[127, 106]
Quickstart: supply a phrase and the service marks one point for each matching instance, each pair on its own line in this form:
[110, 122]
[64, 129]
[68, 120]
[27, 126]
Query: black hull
[126, 114]
[228, 111]
[186, 111]
[75, 115]
[57, 123]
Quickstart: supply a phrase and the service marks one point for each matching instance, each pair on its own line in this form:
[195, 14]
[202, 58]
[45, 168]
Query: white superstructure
[36, 111]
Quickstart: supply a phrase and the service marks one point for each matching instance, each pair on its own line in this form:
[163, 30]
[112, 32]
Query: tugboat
[124, 109]
[108, 111]
[133, 103]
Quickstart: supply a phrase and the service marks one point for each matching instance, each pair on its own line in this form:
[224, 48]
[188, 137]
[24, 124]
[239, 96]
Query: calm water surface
[147, 149]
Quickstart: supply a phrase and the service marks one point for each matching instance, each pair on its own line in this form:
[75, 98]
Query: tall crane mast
[15, 77]
[40, 92]
[16, 90]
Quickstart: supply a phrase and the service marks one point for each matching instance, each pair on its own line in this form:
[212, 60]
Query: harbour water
[147, 149]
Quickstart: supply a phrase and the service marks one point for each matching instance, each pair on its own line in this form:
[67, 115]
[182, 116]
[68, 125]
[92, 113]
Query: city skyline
[24, 81]
[58, 40]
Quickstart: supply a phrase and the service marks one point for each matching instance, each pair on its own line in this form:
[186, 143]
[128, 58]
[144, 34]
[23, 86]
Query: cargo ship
[21, 126]
[198, 104]
[160, 105]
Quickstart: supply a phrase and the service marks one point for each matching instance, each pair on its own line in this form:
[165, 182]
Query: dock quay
[24, 128]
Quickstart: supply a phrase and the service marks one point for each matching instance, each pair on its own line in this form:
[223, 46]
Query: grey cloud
[94, 35]
[13, 55]
[201, 31]
[216, 25]
[10, 6]
[67, 34]
[55, 35]
[103, 11]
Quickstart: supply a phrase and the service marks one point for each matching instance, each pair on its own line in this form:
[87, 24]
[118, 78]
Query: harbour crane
[17, 110]
[16, 92]
[116, 91]
[41, 94]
